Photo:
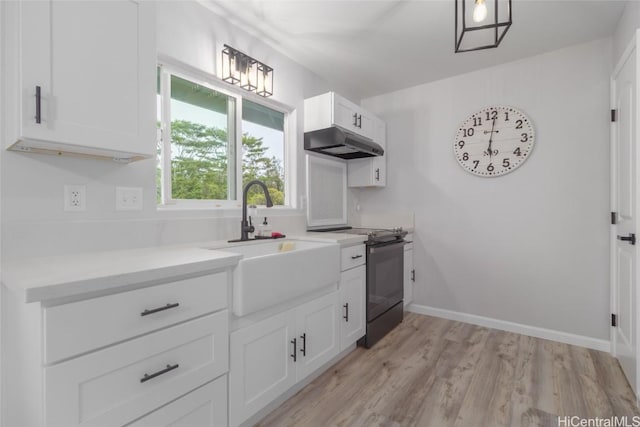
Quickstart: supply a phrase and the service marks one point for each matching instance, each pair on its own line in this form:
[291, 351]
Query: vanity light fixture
[251, 74]
[481, 24]
[265, 80]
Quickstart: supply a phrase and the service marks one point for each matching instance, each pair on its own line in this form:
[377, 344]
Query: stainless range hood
[337, 142]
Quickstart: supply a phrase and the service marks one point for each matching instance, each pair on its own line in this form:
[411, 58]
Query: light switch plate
[128, 198]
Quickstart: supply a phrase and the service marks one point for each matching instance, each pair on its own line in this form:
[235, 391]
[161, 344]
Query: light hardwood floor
[436, 372]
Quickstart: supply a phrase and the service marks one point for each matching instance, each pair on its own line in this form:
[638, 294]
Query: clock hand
[491, 140]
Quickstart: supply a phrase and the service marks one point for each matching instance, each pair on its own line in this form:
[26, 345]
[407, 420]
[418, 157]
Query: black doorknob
[631, 238]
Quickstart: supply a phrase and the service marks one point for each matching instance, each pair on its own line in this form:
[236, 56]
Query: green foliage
[199, 164]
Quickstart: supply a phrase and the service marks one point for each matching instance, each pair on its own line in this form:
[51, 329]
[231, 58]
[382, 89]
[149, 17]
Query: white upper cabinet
[86, 73]
[331, 109]
[370, 171]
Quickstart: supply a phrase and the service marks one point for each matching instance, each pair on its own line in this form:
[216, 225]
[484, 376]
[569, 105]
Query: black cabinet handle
[356, 256]
[38, 106]
[346, 309]
[303, 350]
[169, 368]
[355, 119]
[294, 355]
[155, 310]
[631, 238]
[378, 174]
[413, 275]
[360, 121]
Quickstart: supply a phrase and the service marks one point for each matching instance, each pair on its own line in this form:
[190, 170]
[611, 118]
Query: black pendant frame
[495, 26]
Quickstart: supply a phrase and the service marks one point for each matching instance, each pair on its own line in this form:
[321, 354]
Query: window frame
[169, 67]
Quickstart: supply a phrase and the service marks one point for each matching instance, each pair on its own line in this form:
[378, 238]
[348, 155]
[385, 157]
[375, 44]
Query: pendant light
[481, 24]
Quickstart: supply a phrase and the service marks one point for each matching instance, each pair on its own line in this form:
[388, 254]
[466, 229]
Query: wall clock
[494, 141]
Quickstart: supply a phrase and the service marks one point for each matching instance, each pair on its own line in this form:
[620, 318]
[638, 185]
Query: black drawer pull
[355, 119]
[155, 310]
[148, 377]
[303, 350]
[631, 238]
[38, 106]
[356, 256]
[346, 309]
[378, 174]
[294, 355]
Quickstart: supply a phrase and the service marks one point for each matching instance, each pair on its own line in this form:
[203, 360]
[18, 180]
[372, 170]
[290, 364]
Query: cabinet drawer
[353, 256]
[121, 383]
[83, 326]
[206, 406]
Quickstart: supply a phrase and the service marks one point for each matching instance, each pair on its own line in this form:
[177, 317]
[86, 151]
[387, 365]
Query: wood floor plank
[436, 372]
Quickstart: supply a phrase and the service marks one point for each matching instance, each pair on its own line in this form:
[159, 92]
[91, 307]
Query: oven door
[385, 273]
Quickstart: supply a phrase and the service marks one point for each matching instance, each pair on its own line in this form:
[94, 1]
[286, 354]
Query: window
[214, 141]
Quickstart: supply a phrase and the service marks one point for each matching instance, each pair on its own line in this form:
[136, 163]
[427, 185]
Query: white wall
[626, 29]
[529, 247]
[33, 220]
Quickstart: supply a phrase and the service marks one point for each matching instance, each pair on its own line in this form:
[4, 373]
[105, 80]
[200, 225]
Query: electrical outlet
[128, 198]
[75, 198]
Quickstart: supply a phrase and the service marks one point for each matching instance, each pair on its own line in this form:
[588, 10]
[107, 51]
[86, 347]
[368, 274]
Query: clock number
[468, 132]
[505, 163]
[490, 167]
[465, 156]
[517, 152]
[475, 164]
[492, 115]
[477, 121]
[461, 144]
[506, 116]
[518, 124]
[525, 137]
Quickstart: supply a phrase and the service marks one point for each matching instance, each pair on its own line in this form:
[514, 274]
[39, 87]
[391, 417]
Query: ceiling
[372, 47]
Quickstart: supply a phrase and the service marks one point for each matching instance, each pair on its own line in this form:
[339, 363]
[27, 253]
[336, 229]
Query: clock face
[494, 141]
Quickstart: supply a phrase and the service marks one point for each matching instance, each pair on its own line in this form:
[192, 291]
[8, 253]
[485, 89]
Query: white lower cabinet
[409, 271]
[352, 298]
[203, 407]
[121, 383]
[269, 357]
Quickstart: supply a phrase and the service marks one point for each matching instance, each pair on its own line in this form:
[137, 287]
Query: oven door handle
[387, 248]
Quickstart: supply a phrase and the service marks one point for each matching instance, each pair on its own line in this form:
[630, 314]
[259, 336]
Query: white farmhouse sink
[266, 276]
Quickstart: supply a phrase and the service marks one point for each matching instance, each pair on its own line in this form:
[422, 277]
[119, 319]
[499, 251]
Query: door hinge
[614, 218]
[614, 115]
[614, 320]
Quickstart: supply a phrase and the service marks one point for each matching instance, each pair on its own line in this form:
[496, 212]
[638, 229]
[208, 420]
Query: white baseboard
[532, 331]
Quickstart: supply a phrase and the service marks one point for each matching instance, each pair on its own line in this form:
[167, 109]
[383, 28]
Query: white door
[261, 365]
[352, 297]
[318, 334]
[623, 194]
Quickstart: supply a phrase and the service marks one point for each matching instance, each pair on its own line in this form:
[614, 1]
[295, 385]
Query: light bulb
[479, 11]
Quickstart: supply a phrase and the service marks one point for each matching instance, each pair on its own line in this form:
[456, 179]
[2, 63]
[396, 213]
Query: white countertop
[52, 277]
[44, 278]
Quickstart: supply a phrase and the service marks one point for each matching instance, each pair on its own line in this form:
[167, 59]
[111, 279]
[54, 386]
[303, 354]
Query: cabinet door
[95, 65]
[352, 298]
[318, 333]
[261, 366]
[408, 277]
[349, 116]
[205, 406]
[367, 172]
